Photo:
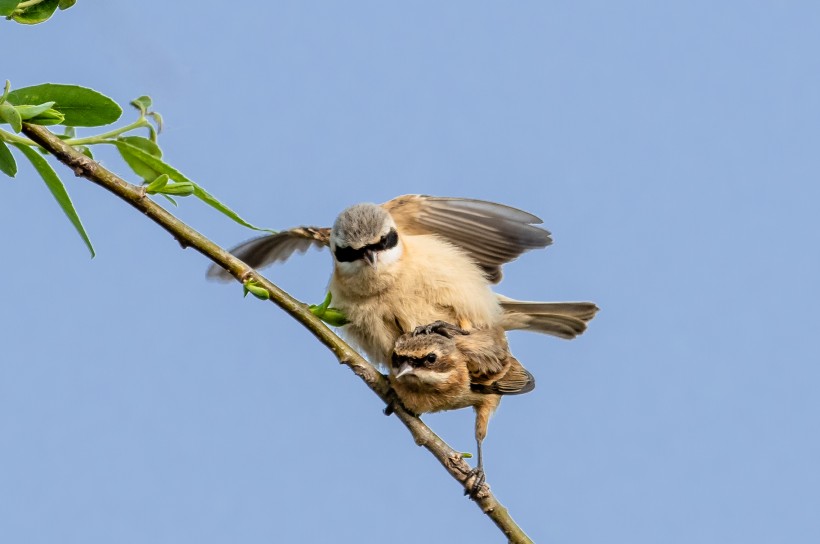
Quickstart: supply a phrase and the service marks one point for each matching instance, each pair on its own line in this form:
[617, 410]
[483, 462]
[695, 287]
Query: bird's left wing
[492, 368]
[265, 250]
[515, 381]
[486, 352]
[491, 233]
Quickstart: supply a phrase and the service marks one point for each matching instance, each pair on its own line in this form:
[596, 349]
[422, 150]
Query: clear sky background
[673, 149]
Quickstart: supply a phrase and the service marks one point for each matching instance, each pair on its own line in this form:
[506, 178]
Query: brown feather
[492, 234]
[265, 250]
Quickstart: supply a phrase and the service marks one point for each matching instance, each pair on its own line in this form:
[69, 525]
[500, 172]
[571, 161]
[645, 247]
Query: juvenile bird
[443, 367]
[418, 259]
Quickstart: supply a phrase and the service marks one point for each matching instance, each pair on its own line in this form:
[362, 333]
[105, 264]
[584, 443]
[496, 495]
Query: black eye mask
[415, 362]
[348, 254]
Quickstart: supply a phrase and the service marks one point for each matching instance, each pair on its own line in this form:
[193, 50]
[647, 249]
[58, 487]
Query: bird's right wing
[265, 250]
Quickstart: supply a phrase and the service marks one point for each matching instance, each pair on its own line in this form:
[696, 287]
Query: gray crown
[360, 224]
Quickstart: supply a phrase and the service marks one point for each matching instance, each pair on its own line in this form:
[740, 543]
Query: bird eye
[395, 359]
[431, 358]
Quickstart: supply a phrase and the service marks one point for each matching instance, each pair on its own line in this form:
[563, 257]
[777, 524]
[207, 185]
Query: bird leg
[439, 327]
[482, 417]
[477, 474]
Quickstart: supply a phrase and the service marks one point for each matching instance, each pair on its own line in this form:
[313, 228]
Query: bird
[441, 367]
[417, 259]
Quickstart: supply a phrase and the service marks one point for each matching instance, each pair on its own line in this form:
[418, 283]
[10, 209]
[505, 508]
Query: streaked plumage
[451, 368]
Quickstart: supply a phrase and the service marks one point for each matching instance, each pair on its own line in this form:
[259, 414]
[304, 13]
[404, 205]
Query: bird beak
[405, 369]
[370, 257]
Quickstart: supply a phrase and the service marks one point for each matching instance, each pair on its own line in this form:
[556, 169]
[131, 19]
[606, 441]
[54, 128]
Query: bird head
[364, 235]
[424, 359]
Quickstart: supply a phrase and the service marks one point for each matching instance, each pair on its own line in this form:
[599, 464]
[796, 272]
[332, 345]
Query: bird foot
[395, 402]
[392, 402]
[478, 480]
[439, 327]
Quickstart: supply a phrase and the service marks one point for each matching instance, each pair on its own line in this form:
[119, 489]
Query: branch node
[457, 462]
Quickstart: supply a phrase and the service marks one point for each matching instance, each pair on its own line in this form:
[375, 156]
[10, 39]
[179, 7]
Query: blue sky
[672, 149]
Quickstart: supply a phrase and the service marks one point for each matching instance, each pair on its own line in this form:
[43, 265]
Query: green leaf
[37, 13]
[211, 201]
[157, 119]
[7, 7]
[65, 4]
[57, 190]
[334, 317]
[27, 111]
[331, 316]
[139, 167]
[157, 184]
[256, 290]
[48, 117]
[11, 116]
[85, 150]
[156, 166]
[134, 157]
[143, 143]
[7, 164]
[70, 132]
[319, 309]
[178, 189]
[81, 106]
[171, 200]
[143, 103]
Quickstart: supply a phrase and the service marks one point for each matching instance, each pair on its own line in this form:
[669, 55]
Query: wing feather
[262, 251]
[492, 234]
[516, 380]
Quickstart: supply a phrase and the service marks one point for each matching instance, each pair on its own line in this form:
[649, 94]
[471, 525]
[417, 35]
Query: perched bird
[418, 259]
[443, 367]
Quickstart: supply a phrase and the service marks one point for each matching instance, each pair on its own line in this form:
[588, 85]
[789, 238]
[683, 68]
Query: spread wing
[265, 250]
[492, 234]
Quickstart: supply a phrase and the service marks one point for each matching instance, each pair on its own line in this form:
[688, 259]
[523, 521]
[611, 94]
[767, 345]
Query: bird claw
[392, 402]
[443, 328]
[477, 474]
[395, 402]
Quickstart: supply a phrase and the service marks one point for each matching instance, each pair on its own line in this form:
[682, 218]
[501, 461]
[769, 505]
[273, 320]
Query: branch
[450, 459]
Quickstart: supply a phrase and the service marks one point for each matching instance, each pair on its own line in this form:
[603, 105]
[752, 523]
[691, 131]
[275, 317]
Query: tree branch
[450, 459]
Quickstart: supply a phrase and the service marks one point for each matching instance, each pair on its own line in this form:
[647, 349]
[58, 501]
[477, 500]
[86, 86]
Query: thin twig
[135, 195]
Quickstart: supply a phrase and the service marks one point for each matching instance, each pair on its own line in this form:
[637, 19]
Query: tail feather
[561, 319]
